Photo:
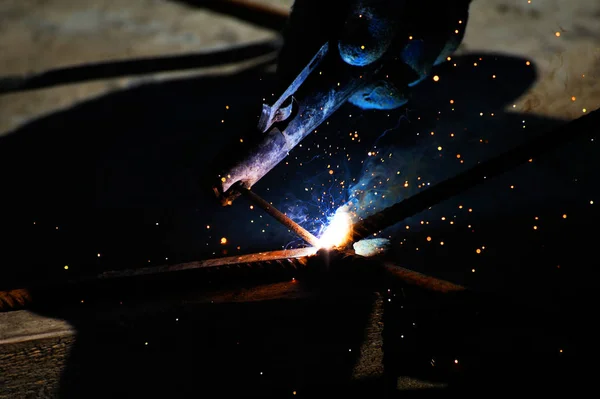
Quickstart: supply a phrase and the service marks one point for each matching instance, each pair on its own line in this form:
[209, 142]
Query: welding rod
[281, 218]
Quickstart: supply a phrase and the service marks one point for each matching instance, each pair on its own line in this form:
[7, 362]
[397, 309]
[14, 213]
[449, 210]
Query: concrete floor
[36, 36]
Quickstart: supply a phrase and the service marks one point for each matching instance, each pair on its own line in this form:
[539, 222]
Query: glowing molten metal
[337, 233]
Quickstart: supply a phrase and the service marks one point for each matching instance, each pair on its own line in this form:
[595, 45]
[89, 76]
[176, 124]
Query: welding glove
[409, 37]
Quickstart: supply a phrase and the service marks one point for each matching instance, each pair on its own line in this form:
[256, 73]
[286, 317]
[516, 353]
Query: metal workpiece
[319, 90]
[61, 292]
[583, 127]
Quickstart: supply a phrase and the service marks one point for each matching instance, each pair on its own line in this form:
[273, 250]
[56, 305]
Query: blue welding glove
[408, 36]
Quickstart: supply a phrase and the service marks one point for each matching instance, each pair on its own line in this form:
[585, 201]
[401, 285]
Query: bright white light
[338, 231]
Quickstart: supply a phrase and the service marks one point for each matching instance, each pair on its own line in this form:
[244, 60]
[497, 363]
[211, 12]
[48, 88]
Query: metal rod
[36, 291]
[281, 218]
[585, 125]
[296, 257]
[422, 280]
[319, 96]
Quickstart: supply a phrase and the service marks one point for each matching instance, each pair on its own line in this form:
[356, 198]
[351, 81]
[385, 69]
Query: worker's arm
[410, 36]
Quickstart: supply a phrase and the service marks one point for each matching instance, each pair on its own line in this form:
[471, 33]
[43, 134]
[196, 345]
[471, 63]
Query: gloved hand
[408, 36]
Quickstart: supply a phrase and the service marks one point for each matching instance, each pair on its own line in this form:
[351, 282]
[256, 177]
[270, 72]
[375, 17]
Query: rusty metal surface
[266, 292]
[14, 298]
[422, 280]
[278, 262]
[274, 261]
[285, 258]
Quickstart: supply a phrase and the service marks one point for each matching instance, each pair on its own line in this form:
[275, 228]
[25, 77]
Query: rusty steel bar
[284, 259]
[280, 217]
[295, 257]
[421, 280]
[586, 125]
